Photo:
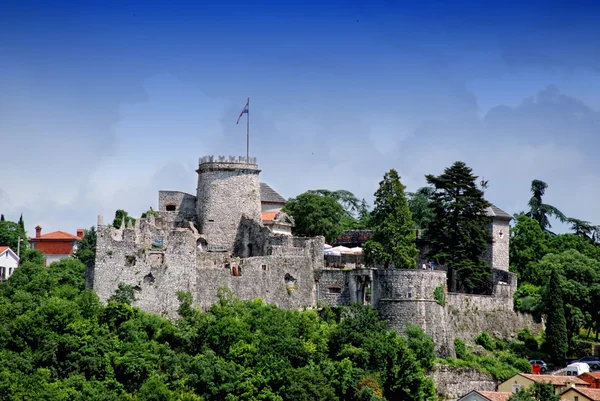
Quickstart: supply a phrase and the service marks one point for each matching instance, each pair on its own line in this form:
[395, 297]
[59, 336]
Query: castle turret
[228, 190]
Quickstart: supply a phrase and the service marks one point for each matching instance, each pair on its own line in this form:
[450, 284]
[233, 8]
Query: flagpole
[248, 133]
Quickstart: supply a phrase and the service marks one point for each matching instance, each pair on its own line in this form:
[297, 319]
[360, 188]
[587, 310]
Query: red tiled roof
[269, 216]
[555, 380]
[56, 236]
[3, 248]
[595, 375]
[591, 393]
[496, 395]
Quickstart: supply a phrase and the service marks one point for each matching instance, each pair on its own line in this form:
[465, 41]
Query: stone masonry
[215, 239]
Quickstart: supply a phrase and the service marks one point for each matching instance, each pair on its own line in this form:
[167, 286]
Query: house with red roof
[273, 218]
[56, 245]
[9, 261]
[593, 378]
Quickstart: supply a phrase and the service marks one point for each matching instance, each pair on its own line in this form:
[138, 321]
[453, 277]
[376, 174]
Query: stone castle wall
[227, 192]
[184, 204]
[452, 382]
[156, 274]
[469, 315]
[497, 252]
[405, 297]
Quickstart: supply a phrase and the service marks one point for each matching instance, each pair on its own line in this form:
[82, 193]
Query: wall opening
[130, 260]
[149, 278]
[264, 267]
[334, 289]
[171, 208]
[249, 250]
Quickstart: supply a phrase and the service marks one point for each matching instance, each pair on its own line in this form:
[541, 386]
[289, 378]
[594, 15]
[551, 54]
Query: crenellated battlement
[227, 160]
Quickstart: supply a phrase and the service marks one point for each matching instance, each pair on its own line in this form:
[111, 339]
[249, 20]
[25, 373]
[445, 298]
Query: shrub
[485, 341]
[440, 295]
[461, 350]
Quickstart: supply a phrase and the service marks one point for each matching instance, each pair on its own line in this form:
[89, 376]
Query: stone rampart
[228, 192]
[469, 315]
[333, 287]
[452, 382]
[155, 263]
[178, 203]
[287, 282]
[405, 297]
[406, 283]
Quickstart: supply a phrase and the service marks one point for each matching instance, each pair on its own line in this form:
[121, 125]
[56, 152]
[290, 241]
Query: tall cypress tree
[394, 237]
[459, 233]
[21, 222]
[2, 217]
[556, 325]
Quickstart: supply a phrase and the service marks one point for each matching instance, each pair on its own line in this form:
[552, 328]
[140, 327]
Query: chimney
[80, 232]
[38, 232]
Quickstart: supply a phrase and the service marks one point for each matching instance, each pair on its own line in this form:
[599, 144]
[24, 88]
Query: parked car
[593, 361]
[543, 366]
[577, 368]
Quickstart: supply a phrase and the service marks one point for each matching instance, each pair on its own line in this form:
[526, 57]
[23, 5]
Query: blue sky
[102, 104]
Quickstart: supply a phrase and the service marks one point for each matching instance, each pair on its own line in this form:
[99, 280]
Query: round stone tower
[228, 190]
[405, 297]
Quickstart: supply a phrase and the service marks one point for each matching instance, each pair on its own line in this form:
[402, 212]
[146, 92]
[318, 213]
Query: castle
[216, 238]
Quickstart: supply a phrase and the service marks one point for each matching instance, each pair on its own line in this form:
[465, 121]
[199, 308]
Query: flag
[243, 111]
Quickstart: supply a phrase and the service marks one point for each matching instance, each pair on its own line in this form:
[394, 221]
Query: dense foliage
[58, 342]
[458, 235]
[498, 358]
[419, 205]
[393, 240]
[327, 213]
[86, 248]
[10, 232]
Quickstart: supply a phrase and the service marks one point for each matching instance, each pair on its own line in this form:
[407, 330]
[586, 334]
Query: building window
[515, 387]
[171, 208]
[575, 398]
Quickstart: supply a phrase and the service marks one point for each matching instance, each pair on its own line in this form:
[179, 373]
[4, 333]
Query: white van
[577, 368]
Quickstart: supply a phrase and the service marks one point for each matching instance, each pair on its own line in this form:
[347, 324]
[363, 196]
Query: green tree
[422, 345]
[556, 326]
[347, 199]
[2, 217]
[393, 240]
[86, 248]
[528, 245]
[316, 214]
[10, 232]
[419, 205]
[539, 211]
[582, 228]
[21, 222]
[459, 234]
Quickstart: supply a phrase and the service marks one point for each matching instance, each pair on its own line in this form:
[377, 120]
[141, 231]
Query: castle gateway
[216, 238]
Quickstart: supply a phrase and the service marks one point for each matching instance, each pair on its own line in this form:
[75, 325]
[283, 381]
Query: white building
[9, 261]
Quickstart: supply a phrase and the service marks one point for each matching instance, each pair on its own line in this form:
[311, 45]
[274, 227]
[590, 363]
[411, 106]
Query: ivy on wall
[440, 295]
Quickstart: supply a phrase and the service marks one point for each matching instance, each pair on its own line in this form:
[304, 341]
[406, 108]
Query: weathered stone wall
[156, 274]
[185, 204]
[469, 315]
[497, 252]
[333, 287]
[406, 283]
[405, 297]
[452, 383]
[287, 282]
[227, 192]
